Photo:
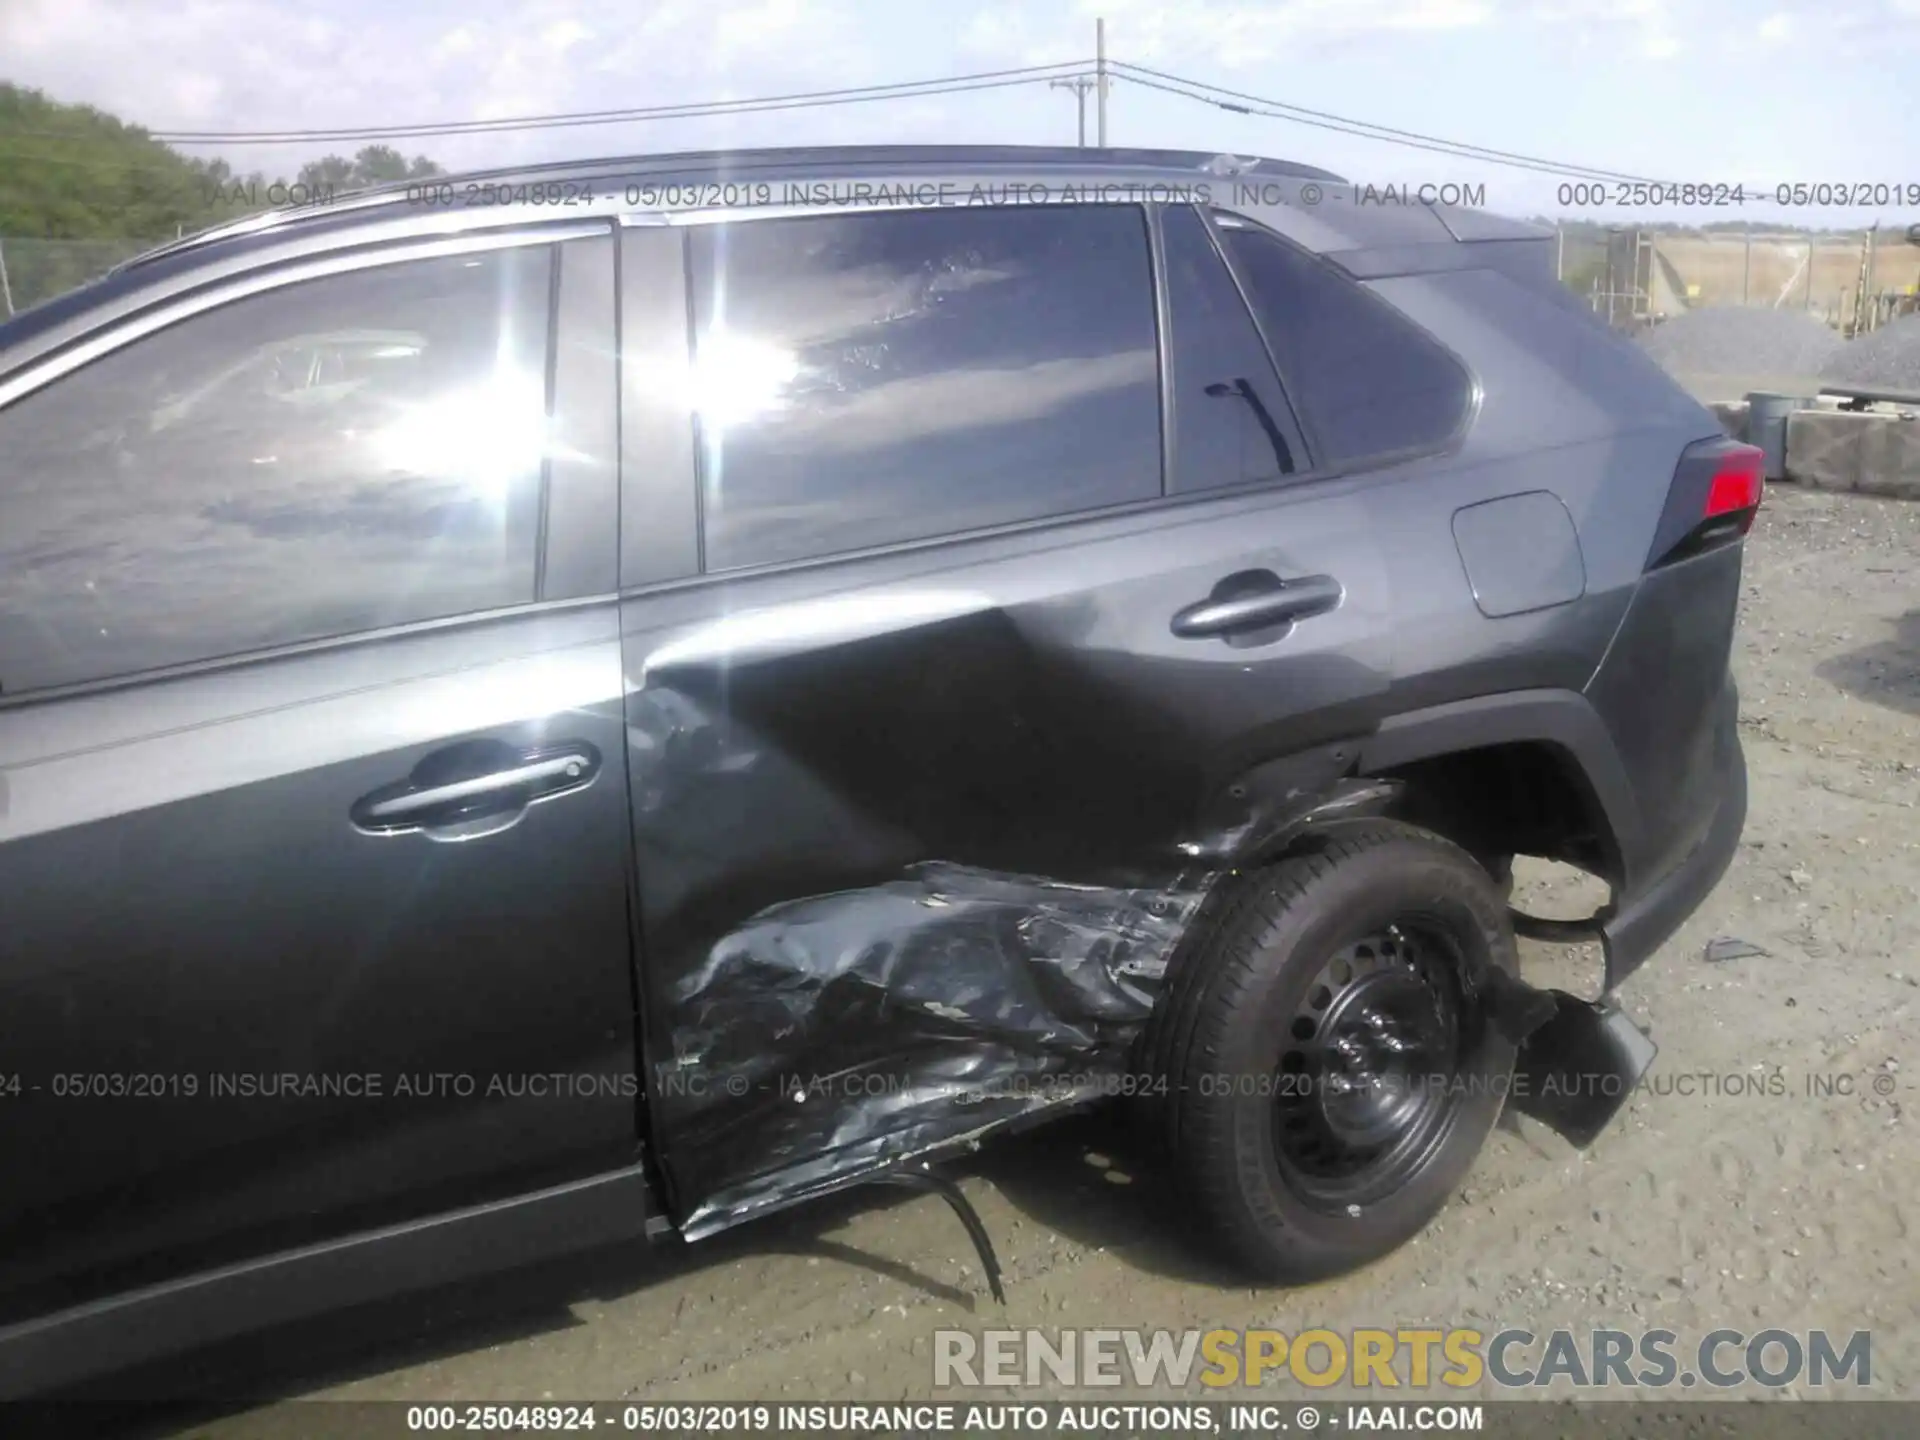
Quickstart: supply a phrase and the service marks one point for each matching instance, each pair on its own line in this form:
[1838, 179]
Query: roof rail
[863, 156]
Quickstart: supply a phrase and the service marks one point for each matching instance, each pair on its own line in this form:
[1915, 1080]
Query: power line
[802, 100]
[117, 167]
[1075, 76]
[905, 90]
[1321, 120]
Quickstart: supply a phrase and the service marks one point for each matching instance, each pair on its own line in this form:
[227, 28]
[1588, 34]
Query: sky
[1754, 92]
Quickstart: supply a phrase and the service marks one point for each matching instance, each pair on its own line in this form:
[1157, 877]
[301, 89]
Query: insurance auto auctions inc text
[1411, 1358]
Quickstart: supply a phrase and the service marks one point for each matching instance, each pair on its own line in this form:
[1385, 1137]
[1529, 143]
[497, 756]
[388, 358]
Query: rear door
[969, 566]
[312, 784]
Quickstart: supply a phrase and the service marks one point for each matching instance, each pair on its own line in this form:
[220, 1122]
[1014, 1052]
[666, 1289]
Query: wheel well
[1519, 798]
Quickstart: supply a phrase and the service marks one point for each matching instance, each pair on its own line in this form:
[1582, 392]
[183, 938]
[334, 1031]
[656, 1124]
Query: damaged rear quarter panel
[917, 833]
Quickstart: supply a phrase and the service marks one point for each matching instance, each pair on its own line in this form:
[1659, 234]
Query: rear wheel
[1331, 1072]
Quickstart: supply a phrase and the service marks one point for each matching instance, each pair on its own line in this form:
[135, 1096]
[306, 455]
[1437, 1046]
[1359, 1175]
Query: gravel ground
[1887, 358]
[1743, 341]
[1697, 1210]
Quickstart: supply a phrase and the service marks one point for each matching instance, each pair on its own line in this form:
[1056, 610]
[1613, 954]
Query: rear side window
[337, 455]
[1368, 381]
[1232, 423]
[868, 379]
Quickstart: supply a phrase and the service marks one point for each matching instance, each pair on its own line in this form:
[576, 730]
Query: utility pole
[1866, 280]
[1100, 78]
[1080, 85]
[1613, 234]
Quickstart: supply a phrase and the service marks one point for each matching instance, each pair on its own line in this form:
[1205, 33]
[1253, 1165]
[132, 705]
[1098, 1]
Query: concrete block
[1838, 450]
[1732, 415]
[1890, 459]
[1823, 448]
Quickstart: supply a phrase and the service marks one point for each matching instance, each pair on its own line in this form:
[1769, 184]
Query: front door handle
[1234, 610]
[456, 789]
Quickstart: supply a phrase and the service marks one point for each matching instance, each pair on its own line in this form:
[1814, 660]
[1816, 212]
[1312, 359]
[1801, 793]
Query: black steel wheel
[1367, 1082]
[1332, 1071]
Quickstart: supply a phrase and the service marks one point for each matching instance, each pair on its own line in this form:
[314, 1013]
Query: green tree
[81, 190]
[329, 173]
[379, 165]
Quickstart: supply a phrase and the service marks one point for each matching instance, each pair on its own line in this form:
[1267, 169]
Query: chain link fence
[1851, 280]
[35, 270]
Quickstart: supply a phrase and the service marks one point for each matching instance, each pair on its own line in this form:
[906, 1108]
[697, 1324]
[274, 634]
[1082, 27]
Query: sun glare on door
[487, 436]
[737, 379]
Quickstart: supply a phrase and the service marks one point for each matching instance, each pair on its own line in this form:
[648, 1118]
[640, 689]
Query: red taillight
[1737, 484]
[1711, 500]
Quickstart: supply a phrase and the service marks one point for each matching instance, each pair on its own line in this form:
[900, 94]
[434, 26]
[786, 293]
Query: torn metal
[860, 950]
[835, 1036]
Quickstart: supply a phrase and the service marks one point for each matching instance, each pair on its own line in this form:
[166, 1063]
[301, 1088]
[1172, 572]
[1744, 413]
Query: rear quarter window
[1369, 382]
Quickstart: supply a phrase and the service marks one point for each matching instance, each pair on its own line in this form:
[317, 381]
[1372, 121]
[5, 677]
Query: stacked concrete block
[1871, 454]
[1890, 458]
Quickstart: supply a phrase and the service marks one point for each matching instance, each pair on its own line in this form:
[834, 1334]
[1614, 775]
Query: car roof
[1369, 239]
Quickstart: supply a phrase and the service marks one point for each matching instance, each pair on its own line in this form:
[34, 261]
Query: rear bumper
[1646, 918]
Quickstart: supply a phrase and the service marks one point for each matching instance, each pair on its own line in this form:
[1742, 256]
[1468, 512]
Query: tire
[1265, 1157]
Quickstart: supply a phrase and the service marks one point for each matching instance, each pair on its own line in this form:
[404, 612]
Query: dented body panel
[929, 825]
[840, 768]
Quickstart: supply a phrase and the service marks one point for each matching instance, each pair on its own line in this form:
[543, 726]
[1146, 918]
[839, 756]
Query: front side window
[332, 456]
[868, 379]
[1369, 381]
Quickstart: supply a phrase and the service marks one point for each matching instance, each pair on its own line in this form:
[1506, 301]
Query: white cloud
[266, 65]
[766, 28]
[260, 64]
[1654, 25]
[563, 35]
[958, 402]
[457, 41]
[1217, 34]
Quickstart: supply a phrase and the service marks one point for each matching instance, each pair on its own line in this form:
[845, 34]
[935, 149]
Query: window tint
[340, 454]
[1231, 420]
[1367, 379]
[875, 378]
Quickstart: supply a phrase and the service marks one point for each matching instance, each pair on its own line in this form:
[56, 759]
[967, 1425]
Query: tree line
[74, 174]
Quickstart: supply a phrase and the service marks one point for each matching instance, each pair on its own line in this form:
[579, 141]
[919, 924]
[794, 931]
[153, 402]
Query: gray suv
[602, 701]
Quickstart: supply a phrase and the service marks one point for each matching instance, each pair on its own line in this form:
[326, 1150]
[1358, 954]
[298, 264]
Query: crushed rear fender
[831, 1039]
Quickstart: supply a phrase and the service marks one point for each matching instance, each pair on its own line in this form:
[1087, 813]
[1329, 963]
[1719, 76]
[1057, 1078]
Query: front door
[313, 843]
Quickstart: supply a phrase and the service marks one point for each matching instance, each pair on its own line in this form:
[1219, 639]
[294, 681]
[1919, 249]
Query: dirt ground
[1717, 1203]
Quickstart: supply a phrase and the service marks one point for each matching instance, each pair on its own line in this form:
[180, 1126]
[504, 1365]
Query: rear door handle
[467, 783]
[1278, 603]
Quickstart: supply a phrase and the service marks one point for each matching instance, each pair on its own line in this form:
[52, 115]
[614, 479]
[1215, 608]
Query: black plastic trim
[117, 1333]
[1560, 718]
[1649, 919]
